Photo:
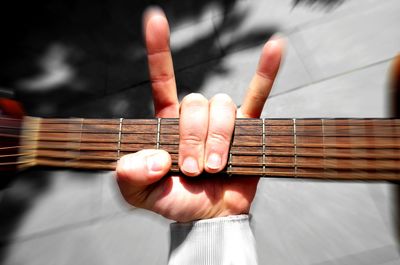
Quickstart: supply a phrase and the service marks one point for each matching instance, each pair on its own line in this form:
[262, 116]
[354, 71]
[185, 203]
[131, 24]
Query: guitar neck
[366, 149]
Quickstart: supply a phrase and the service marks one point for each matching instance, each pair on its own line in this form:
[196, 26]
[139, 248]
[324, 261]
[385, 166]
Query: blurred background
[68, 58]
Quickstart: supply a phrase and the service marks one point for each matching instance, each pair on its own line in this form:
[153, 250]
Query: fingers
[205, 133]
[144, 167]
[220, 129]
[193, 127]
[156, 31]
[262, 82]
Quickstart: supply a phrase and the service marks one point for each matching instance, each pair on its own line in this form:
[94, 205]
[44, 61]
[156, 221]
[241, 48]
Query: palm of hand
[185, 199]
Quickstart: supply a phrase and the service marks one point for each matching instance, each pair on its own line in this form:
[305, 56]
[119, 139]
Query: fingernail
[214, 161]
[154, 8]
[156, 162]
[190, 165]
[276, 36]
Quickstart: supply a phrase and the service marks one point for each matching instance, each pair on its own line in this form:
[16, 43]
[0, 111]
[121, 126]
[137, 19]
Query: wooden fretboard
[306, 148]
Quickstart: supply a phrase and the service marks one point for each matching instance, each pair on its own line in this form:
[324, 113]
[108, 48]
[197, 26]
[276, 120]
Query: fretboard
[366, 149]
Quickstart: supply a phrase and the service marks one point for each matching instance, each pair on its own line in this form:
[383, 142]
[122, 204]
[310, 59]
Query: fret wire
[119, 137]
[80, 135]
[229, 171]
[323, 143]
[69, 144]
[372, 129]
[295, 147]
[263, 145]
[335, 139]
[158, 133]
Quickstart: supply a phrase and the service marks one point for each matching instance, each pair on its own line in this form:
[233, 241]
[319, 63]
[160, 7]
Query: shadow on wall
[63, 51]
[328, 4]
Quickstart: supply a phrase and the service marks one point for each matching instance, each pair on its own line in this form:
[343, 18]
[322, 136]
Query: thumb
[144, 167]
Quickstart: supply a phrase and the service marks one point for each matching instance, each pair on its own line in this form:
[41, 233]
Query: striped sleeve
[223, 240]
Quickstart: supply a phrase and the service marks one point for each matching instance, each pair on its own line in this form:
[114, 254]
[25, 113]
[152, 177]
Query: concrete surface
[336, 65]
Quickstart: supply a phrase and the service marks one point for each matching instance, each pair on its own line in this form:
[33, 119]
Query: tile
[192, 40]
[351, 42]
[194, 44]
[40, 201]
[336, 219]
[394, 262]
[187, 14]
[135, 102]
[127, 69]
[257, 20]
[316, 221]
[386, 198]
[87, 82]
[383, 255]
[77, 246]
[358, 94]
[233, 73]
[139, 237]
[112, 202]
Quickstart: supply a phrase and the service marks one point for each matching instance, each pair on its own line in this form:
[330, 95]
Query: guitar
[352, 149]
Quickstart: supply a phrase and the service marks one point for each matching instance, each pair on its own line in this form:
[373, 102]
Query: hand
[205, 130]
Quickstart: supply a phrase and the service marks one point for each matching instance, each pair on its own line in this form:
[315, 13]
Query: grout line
[332, 77]
[217, 37]
[68, 227]
[295, 49]
[334, 17]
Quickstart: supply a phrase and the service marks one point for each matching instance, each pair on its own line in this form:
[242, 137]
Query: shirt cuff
[222, 240]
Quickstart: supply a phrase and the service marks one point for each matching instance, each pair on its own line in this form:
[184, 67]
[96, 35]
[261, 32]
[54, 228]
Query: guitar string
[241, 122]
[386, 165]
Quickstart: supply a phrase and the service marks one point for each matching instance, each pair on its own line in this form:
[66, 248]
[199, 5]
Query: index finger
[162, 77]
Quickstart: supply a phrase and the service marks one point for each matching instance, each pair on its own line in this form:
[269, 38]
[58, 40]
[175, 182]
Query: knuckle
[162, 78]
[220, 138]
[265, 75]
[191, 139]
[258, 97]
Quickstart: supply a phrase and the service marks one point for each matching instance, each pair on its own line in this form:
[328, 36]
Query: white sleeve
[219, 241]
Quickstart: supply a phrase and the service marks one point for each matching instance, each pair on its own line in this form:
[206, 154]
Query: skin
[205, 129]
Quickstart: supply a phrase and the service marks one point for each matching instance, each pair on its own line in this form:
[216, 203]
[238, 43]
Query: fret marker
[119, 137]
[158, 133]
[263, 147]
[295, 147]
